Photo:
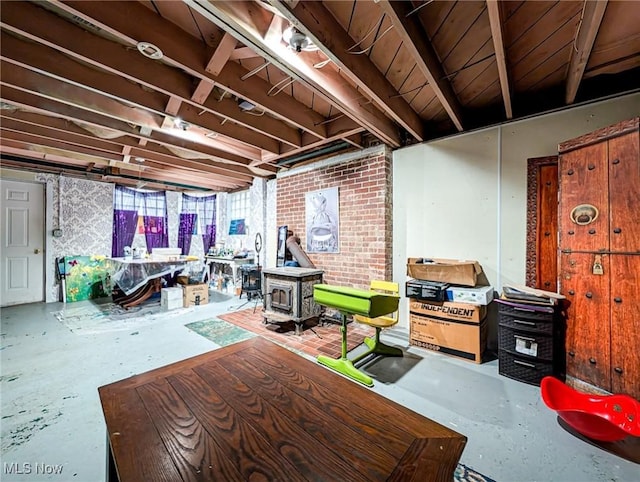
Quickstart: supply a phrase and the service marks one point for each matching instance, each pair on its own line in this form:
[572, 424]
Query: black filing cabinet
[529, 341]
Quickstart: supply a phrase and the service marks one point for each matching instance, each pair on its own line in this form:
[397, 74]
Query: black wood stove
[288, 295]
[251, 281]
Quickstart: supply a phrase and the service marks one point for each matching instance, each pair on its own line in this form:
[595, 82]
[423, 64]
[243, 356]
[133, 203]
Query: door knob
[36, 251]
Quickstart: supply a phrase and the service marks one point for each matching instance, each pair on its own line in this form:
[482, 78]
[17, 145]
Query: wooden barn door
[542, 223]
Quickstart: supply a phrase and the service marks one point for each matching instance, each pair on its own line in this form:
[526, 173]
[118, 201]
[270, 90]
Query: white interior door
[22, 231]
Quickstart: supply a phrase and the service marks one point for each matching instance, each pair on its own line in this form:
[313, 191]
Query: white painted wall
[465, 196]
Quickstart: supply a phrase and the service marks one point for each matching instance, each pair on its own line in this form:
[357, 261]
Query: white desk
[233, 262]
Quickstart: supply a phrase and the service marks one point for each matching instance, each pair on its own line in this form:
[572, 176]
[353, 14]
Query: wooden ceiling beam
[313, 19]
[89, 49]
[9, 146]
[416, 42]
[352, 136]
[49, 107]
[497, 35]
[110, 149]
[63, 128]
[49, 88]
[24, 141]
[242, 53]
[221, 54]
[173, 105]
[43, 150]
[202, 91]
[592, 15]
[33, 139]
[32, 161]
[188, 54]
[247, 21]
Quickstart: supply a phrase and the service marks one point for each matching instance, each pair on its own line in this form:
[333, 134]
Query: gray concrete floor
[51, 413]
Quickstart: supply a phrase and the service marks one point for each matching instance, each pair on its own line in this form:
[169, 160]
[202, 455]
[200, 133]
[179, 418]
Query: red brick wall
[365, 196]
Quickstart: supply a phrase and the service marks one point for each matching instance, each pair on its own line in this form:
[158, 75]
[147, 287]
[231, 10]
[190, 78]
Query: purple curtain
[209, 236]
[207, 212]
[155, 232]
[154, 217]
[128, 204]
[185, 231]
[124, 229]
[205, 207]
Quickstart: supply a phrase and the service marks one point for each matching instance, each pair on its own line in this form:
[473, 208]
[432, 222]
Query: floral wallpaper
[174, 203]
[270, 241]
[256, 219]
[83, 210]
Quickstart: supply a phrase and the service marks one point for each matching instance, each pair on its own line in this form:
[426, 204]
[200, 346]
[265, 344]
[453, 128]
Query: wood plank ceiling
[207, 95]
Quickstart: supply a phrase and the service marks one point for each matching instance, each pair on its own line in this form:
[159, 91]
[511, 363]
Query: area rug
[220, 332]
[100, 316]
[315, 339]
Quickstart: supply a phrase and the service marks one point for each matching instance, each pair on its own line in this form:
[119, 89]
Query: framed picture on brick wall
[322, 221]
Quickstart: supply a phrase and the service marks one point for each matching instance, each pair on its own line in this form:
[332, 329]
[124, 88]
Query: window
[238, 205]
[141, 211]
[154, 204]
[146, 203]
[198, 216]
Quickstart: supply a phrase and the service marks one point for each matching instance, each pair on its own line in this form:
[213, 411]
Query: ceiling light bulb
[180, 124]
[297, 40]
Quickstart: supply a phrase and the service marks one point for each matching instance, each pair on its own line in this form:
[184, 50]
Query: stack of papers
[525, 294]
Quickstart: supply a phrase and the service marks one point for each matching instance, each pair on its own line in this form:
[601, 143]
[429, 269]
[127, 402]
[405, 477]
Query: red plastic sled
[600, 417]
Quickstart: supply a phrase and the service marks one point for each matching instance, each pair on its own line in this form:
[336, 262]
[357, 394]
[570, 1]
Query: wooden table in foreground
[256, 411]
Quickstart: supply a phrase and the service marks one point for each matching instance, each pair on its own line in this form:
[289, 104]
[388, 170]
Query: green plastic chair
[379, 323]
[370, 305]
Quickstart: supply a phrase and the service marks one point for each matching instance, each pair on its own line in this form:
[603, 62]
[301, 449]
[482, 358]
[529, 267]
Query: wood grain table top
[256, 411]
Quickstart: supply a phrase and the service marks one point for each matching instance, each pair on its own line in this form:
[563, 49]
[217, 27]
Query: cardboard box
[449, 310]
[480, 295]
[424, 290]
[171, 298]
[182, 279]
[460, 339]
[195, 294]
[457, 272]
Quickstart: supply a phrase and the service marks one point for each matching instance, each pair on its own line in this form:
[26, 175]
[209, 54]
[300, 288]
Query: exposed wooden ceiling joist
[101, 158]
[33, 102]
[497, 35]
[591, 17]
[79, 87]
[111, 148]
[30, 153]
[247, 24]
[413, 37]
[221, 54]
[318, 23]
[188, 54]
[50, 30]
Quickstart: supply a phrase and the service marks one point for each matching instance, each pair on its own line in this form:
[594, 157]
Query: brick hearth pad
[314, 340]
